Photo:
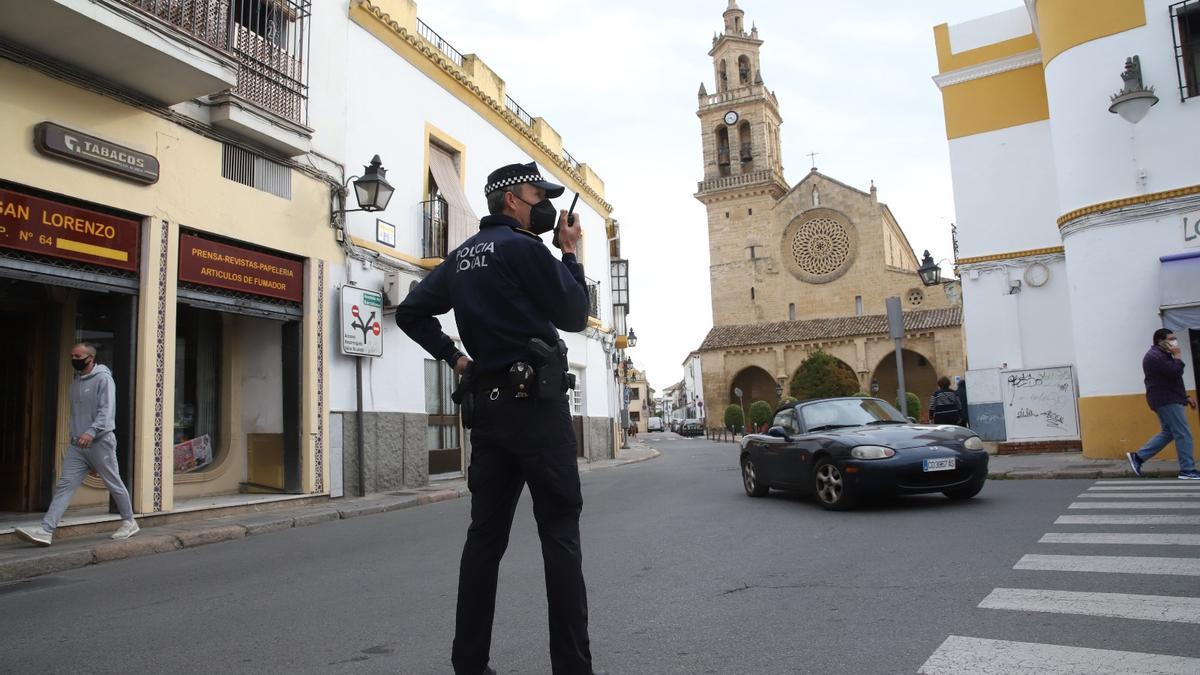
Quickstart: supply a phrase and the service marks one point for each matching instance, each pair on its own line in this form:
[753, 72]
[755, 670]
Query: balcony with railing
[593, 291]
[168, 51]
[435, 228]
[517, 110]
[439, 43]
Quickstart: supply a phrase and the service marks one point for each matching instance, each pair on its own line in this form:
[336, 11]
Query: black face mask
[79, 364]
[542, 216]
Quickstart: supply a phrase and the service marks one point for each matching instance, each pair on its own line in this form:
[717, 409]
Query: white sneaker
[127, 529]
[37, 536]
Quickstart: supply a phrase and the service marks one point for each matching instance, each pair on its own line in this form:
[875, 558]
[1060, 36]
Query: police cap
[515, 174]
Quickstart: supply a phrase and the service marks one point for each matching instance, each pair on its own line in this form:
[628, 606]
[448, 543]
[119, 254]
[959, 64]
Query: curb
[173, 538]
[1079, 473]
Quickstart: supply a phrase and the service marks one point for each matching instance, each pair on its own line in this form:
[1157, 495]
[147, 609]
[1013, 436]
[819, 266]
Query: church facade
[798, 268]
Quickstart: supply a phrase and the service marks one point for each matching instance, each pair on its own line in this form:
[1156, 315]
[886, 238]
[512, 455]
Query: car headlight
[973, 443]
[872, 452]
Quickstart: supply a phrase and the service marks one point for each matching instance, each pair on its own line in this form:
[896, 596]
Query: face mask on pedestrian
[79, 364]
[541, 215]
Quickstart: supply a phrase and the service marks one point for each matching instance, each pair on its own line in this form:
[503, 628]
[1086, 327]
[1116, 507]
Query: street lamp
[1135, 99]
[632, 338]
[930, 272]
[372, 189]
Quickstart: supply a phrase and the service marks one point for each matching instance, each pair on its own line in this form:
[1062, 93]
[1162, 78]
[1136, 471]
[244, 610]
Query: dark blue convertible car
[844, 449]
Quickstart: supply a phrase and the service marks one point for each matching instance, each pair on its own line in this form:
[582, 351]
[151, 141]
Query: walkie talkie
[570, 220]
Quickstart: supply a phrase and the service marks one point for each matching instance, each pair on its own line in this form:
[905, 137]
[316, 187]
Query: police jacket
[505, 288]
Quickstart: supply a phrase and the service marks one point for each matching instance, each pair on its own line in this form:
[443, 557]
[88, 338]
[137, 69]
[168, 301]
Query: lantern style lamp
[930, 272]
[372, 189]
[632, 338]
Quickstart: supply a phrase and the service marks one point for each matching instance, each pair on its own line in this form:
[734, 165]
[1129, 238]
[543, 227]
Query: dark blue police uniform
[505, 288]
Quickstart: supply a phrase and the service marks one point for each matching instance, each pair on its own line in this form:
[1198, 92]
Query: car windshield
[849, 412]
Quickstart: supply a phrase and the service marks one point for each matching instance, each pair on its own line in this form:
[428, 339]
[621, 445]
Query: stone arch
[840, 364]
[722, 137]
[920, 377]
[744, 70]
[756, 385]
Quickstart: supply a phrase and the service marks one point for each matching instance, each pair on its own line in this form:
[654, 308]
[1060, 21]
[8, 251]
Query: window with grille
[577, 393]
[1185, 25]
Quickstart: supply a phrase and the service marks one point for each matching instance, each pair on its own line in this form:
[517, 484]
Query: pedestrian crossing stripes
[1114, 605]
[1148, 482]
[1146, 519]
[1164, 513]
[1140, 495]
[1135, 505]
[960, 655]
[1144, 486]
[1134, 538]
[1114, 564]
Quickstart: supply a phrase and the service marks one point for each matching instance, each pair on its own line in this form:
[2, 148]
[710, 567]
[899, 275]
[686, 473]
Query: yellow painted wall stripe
[1064, 24]
[1051, 250]
[1128, 201]
[1111, 426]
[91, 249]
[948, 61]
[1003, 100]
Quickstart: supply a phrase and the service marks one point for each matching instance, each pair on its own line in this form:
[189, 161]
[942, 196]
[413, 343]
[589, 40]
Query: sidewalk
[21, 560]
[1073, 465]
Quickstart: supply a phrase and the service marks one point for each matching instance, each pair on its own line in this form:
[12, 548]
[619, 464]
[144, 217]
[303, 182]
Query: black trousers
[517, 442]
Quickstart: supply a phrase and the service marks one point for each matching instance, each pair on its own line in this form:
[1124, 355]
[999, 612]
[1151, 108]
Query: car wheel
[750, 480]
[829, 485]
[965, 492]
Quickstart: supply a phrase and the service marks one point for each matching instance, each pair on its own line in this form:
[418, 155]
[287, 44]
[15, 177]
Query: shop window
[197, 387]
[442, 435]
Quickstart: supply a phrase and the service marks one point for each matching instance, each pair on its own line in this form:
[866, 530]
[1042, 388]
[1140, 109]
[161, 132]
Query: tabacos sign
[75, 146]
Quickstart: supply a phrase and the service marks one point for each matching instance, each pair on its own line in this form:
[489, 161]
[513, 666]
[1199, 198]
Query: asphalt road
[686, 575]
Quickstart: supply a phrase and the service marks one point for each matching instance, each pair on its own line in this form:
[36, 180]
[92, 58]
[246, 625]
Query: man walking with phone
[1163, 368]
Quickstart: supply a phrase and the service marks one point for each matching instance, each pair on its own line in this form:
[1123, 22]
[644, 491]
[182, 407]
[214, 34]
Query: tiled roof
[744, 335]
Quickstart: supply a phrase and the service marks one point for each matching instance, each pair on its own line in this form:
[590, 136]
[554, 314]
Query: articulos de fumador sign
[212, 263]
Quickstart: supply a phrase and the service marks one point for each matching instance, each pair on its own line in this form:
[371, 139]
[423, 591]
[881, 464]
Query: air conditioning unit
[394, 289]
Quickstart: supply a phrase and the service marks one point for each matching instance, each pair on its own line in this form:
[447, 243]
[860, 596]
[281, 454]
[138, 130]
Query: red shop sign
[60, 231]
[211, 263]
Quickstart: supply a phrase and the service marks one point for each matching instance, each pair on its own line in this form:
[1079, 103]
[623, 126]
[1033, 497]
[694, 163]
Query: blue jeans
[1173, 419]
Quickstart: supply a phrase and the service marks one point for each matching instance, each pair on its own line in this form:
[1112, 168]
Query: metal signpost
[896, 331]
[362, 335]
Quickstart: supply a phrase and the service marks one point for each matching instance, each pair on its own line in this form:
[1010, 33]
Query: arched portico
[756, 385]
[920, 377]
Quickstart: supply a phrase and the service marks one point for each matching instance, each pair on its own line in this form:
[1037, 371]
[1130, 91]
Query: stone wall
[599, 442]
[394, 448]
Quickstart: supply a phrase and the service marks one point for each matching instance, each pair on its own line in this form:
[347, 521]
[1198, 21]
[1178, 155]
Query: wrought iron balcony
[435, 228]
[593, 290]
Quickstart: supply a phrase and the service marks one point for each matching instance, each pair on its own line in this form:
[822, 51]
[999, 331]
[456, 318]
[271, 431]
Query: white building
[693, 387]
[1076, 229]
[441, 121]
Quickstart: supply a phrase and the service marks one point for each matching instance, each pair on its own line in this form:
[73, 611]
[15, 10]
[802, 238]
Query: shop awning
[64, 273]
[463, 221]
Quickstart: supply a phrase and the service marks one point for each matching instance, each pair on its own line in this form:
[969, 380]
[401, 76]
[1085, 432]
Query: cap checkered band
[517, 180]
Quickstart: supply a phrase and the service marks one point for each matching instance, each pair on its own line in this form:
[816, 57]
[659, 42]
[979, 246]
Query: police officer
[506, 288]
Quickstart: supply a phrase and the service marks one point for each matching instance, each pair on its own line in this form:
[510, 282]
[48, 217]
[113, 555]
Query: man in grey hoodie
[93, 446]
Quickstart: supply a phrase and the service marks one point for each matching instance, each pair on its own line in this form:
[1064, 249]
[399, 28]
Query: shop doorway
[27, 395]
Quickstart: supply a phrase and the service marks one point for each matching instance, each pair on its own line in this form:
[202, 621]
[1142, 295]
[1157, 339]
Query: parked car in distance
[654, 424]
[691, 428]
[844, 449]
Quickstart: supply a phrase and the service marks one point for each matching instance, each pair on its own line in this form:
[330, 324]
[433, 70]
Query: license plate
[946, 464]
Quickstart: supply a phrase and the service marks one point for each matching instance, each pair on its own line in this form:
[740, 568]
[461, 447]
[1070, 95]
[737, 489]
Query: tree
[734, 418]
[822, 376]
[760, 414]
[914, 405]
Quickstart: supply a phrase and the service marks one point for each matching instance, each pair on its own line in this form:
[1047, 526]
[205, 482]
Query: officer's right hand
[568, 235]
[461, 366]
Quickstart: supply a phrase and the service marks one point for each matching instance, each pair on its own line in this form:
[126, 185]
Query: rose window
[916, 296]
[821, 246]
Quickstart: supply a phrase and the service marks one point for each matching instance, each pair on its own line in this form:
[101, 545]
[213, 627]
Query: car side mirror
[779, 432]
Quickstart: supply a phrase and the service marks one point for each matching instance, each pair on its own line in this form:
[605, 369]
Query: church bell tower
[743, 169]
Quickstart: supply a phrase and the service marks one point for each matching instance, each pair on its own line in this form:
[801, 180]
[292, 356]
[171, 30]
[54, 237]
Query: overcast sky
[618, 79]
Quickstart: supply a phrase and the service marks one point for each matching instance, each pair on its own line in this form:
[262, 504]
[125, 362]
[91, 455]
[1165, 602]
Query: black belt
[489, 381]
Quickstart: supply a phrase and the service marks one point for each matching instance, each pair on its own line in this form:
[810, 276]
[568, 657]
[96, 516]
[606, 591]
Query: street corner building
[441, 120]
[800, 268]
[1073, 144]
[150, 205]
